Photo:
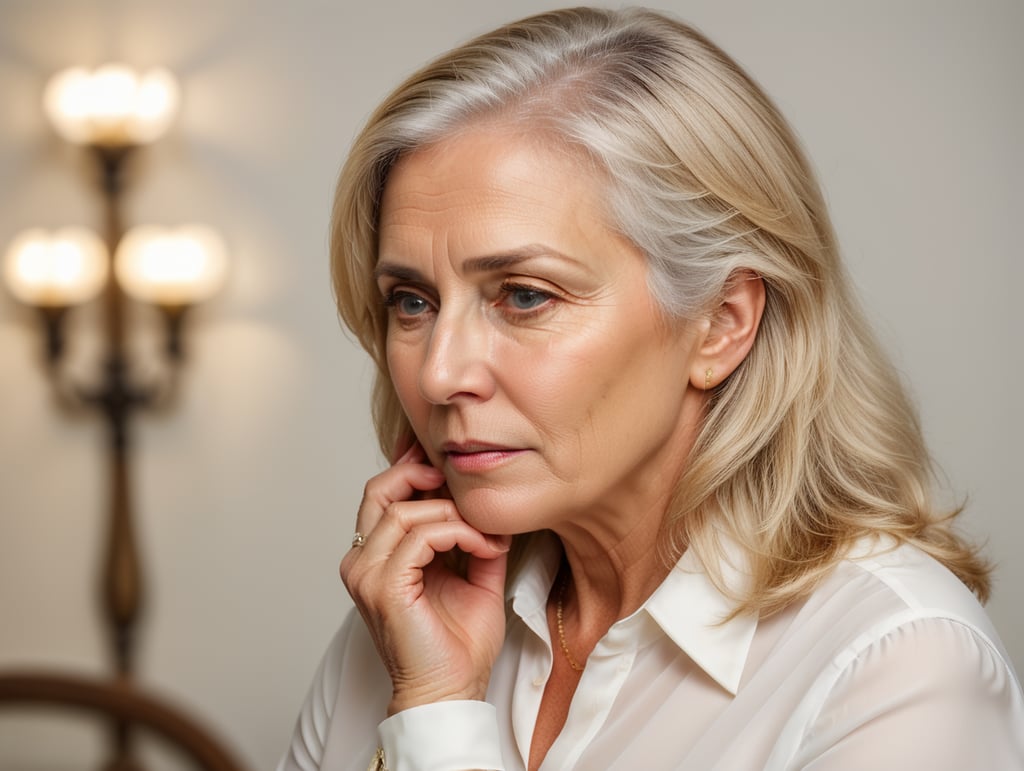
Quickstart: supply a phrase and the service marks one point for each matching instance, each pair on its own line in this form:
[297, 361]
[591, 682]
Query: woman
[657, 498]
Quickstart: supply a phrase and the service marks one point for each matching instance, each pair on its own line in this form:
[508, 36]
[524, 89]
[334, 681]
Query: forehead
[497, 154]
[490, 184]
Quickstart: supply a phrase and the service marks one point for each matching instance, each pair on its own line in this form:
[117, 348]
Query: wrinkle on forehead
[476, 202]
[414, 188]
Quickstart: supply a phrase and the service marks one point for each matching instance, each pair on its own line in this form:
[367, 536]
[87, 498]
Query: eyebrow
[398, 272]
[485, 264]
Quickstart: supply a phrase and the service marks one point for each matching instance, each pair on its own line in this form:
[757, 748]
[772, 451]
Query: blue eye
[411, 305]
[524, 298]
[406, 303]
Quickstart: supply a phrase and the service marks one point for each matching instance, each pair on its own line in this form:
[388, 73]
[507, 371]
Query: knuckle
[417, 538]
[393, 514]
[345, 567]
[450, 511]
[368, 489]
[353, 582]
[368, 500]
[373, 489]
[347, 571]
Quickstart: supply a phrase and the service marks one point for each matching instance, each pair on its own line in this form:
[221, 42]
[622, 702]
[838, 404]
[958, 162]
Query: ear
[730, 328]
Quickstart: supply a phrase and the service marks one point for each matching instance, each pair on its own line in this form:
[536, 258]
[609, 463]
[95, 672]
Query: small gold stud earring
[707, 379]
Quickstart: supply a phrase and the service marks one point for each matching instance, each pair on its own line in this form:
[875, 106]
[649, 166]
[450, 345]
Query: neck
[614, 553]
[599, 585]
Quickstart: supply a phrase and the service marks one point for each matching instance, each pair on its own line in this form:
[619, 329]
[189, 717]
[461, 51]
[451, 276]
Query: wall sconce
[53, 271]
[112, 106]
[113, 112]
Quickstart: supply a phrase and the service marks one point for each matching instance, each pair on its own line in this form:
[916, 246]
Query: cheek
[560, 389]
[404, 369]
[616, 386]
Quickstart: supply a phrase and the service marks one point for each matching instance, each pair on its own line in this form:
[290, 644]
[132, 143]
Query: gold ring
[358, 539]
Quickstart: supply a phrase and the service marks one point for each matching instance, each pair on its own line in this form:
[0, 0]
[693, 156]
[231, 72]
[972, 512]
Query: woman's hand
[437, 632]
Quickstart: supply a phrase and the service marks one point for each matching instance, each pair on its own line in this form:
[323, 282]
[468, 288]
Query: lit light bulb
[66, 267]
[171, 267]
[113, 106]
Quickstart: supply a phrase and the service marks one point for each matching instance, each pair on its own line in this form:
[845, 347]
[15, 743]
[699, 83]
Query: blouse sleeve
[446, 736]
[933, 693]
[306, 748]
[338, 723]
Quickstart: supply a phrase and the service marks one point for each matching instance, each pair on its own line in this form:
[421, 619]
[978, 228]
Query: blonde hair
[811, 443]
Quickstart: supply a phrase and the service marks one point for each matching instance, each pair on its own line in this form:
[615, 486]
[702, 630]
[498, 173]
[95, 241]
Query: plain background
[911, 110]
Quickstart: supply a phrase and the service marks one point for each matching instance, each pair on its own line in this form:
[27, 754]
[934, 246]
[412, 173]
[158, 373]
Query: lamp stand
[116, 397]
[116, 111]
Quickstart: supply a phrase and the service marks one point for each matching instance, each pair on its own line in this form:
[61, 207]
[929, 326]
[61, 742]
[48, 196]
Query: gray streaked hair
[811, 442]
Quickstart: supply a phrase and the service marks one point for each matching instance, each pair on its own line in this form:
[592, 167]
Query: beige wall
[910, 110]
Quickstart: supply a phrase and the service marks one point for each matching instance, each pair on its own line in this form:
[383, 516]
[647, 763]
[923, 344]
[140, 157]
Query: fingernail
[499, 542]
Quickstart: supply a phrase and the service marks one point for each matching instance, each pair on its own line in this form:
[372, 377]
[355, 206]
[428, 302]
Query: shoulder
[909, 659]
[886, 595]
[899, 599]
[891, 586]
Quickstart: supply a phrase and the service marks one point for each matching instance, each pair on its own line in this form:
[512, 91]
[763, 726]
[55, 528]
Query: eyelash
[509, 288]
[395, 296]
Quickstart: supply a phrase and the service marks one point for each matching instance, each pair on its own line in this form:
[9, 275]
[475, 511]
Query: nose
[458, 363]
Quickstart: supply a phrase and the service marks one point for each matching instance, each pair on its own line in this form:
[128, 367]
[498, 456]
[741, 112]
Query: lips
[475, 456]
[469, 447]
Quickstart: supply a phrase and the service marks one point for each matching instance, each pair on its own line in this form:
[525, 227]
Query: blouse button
[538, 682]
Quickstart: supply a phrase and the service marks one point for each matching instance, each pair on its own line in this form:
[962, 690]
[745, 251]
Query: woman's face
[522, 339]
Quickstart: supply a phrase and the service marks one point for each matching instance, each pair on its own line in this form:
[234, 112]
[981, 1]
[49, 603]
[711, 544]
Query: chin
[494, 510]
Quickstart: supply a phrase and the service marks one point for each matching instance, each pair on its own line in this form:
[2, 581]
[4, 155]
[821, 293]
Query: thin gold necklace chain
[561, 627]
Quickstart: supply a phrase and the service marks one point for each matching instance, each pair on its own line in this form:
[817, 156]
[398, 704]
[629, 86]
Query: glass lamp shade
[112, 106]
[171, 267]
[61, 268]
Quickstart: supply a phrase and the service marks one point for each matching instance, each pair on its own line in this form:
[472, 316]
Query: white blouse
[889, 664]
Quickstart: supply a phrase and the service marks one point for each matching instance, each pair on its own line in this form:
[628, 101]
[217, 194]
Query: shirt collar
[527, 592]
[691, 610]
[687, 607]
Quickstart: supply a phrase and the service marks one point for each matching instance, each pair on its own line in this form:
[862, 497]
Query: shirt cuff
[444, 736]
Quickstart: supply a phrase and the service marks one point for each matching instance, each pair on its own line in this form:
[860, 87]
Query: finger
[398, 483]
[422, 544]
[401, 517]
[437, 492]
[488, 573]
[396, 553]
[414, 453]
